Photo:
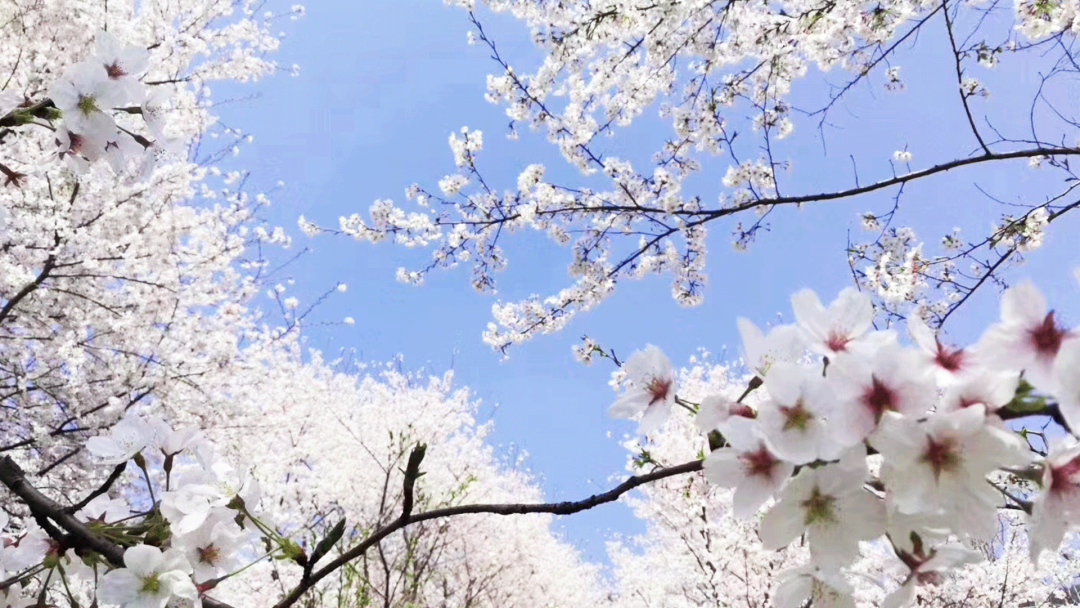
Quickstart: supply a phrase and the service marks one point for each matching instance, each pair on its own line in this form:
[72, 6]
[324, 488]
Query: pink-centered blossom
[1057, 507]
[843, 327]
[940, 465]
[748, 466]
[122, 64]
[864, 388]
[1028, 338]
[794, 418]
[832, 507]
[651, 390]
[948, 362]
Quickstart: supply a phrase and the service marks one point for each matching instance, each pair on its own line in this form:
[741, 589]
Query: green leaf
[1025, 401]
[328, 543]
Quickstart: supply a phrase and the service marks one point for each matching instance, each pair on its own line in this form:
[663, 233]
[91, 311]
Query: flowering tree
[725, 76]
[157, 455]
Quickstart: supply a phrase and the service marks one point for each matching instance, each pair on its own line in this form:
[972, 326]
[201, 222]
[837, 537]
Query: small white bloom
[651, 392]
[832, 507]
[124, 440]
[150, 579]
[748, 466]
[1028, 337]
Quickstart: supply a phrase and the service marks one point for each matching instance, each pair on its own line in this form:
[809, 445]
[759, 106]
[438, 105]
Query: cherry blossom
[1066, 381]
[940, 466]
[794, 420]
[748, 466]
[150, 579]
[760, 351]
[864, 389]
[928, 571]
[1057, 507]
[213, 548]
[651, 392]
[819, 588]
[842, 327]
[834, 509]
[126, 439]
[123, 64]
[1028, 337]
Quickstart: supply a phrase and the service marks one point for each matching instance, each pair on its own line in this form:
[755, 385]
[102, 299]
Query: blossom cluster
[860, 438]
[195, 533]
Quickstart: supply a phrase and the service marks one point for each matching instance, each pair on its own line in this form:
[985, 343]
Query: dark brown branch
[405, 520]
[116, 473]
[76, 534]
[960, 78]
[29, 288]
[894, 181]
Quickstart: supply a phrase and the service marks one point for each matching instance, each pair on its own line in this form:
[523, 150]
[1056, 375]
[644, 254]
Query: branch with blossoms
[612, 64]
[860, 438]
[193, 537]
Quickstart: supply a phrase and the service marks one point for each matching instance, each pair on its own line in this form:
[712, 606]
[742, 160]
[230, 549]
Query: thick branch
[77, 534]
[556, 508]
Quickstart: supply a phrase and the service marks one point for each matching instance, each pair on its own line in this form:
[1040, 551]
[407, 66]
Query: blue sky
[381, 89]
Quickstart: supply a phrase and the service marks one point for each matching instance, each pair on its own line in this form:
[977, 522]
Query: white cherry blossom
[651, 392]
[940, 466]
[1028, 337]
[150, 579]
[748, 466]
[893, 379]
[1057, 507]
[794, 419]
[832, 507]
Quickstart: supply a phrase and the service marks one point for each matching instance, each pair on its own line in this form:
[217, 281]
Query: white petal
[782, 524]
[143, 559]
[1023, 304]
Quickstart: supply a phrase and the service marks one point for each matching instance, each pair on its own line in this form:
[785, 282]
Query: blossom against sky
[378, 93]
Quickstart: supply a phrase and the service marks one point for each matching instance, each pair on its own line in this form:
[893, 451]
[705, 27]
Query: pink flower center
[837, 341]
[1047, 337]
[759, 463]
[949, 359]
[209, 555]
[941, 454]
[115, 70]
[1062, 478]
[879, 398]
[76, 142]
[658, 389]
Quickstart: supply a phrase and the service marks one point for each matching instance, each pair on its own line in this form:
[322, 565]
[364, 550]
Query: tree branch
[405, 520]
[77, 534]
